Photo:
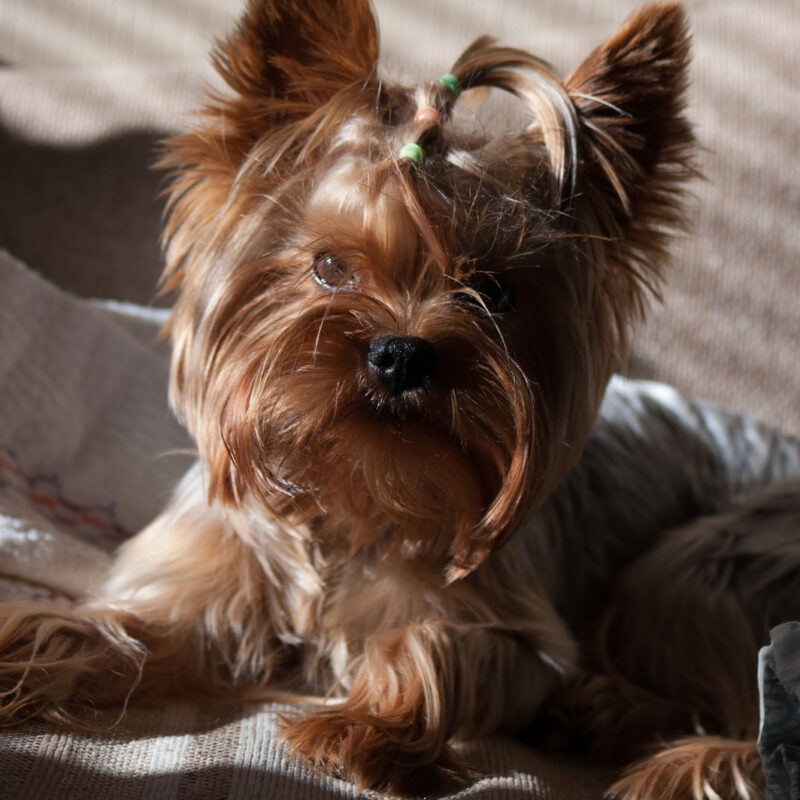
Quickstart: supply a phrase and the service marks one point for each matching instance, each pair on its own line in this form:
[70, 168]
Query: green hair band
[450, 81]
[413, 152]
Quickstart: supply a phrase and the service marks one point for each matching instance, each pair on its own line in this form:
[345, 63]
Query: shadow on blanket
[64, 227]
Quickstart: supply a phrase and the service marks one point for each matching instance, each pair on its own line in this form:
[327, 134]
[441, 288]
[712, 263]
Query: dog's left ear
[635, 143]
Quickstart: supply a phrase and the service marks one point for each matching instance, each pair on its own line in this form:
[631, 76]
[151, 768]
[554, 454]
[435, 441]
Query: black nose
[401, 363]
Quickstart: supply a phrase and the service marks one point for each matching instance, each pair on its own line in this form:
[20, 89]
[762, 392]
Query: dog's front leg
[391, 730]
[417, 686]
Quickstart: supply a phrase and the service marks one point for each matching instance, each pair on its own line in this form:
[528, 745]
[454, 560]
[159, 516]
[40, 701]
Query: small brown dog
[391, 341]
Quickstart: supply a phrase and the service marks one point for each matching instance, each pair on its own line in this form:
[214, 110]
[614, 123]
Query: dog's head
[394, 329]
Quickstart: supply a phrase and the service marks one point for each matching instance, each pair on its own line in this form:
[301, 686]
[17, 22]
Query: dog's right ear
[289, 57]
[284, 60]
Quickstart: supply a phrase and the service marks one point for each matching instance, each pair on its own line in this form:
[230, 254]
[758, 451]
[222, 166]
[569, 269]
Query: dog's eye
[331, 272]
[498, 295]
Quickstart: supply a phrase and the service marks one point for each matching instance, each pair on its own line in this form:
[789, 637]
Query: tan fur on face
[339, 537]
[269, 371]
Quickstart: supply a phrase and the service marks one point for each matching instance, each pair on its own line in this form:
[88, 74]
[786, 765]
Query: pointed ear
[636, 143]
[286, 60]
[288, 57]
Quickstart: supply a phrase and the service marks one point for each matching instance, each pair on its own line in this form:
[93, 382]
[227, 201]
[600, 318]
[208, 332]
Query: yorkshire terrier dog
[392, 338]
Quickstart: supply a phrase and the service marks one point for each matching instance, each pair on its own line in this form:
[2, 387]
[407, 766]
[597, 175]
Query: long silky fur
[702, 767]
[336, 539]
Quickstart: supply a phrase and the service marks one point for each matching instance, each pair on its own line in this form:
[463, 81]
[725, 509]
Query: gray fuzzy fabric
[779, 736]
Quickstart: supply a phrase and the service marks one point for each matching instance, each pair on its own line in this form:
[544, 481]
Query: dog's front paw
[374, 752]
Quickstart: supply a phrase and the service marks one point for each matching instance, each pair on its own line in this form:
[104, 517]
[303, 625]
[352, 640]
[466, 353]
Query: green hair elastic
[413, 152]
[451, 82]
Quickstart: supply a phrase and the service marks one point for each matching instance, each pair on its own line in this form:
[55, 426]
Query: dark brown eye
[331, 272]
